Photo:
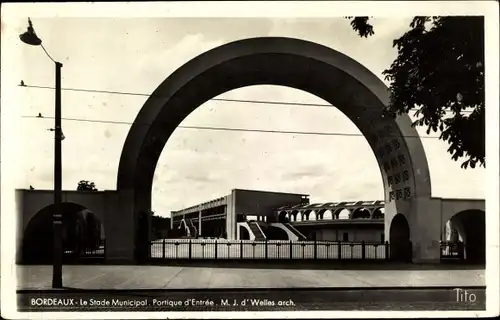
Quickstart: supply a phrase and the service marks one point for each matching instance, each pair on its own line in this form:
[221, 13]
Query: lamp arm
[48, 55]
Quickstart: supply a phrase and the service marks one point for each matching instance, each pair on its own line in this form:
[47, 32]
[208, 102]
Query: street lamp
[30, 37]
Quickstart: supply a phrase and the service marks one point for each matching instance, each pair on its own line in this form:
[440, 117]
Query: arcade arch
[284, 217]
[361, 213]
[378, 213]
[469, 227]
[312, 215]
[343, 214]
[82, 230]
[327, 214]
[295, 63]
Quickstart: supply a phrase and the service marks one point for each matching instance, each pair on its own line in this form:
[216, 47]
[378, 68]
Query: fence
[85, 255]
[209, 249]
[221, 249]
[452, 251]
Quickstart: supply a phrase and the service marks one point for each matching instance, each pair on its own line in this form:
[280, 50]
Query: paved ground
[214, 277]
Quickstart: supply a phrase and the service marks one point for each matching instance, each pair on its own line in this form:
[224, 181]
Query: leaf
[440, 65]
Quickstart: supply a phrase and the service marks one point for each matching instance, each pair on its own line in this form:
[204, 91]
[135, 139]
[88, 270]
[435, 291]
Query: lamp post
[30, 37]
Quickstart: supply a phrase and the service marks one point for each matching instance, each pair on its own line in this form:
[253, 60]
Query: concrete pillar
[425, 228]
[119, 225]
[21, 224]
[390, 212]
[231, 216]
[149, 218]
[199, 222]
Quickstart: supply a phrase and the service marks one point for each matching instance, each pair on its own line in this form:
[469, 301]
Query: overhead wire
[271, 102]
[345, 134]
[208, 127]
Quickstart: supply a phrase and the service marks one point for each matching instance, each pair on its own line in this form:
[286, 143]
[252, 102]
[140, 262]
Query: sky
[137, 54]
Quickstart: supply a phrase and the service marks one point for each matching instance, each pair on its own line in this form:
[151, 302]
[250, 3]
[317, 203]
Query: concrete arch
[294, 63]
[471, 227]
[361, 213]
[82, 229]
[305, 215]
[343, 213]
[309, 215]
[327, 215]
[450, 207]
[298, 215]
[283, 215]
[378, 213]
[34, 201]
[319, 214]
[312, 215]
[336, 213]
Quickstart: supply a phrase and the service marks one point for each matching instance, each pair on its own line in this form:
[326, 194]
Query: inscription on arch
[401, 159]
[396, 144]
[397, 178]
[406, 175]
[394, 163]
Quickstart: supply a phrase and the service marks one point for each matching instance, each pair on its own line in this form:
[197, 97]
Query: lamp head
[30, 37]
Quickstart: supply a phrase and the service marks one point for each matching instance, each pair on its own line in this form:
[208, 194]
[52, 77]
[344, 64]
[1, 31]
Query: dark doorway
[399, 238]
[345, 237]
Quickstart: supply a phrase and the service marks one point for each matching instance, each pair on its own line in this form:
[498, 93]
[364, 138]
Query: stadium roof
[332, 205]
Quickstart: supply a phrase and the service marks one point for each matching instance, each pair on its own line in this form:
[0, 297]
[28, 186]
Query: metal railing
[452, 251]
[221, 249]
[81, 254]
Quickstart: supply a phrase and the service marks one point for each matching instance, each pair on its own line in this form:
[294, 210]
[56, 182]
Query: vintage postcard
[315, 159]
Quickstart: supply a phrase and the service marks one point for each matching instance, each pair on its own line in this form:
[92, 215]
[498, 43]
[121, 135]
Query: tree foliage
[159, 225]
[85, 185]
[361, 25]
[439, 71]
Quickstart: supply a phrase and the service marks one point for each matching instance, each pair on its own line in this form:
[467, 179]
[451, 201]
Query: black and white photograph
[283, 159]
